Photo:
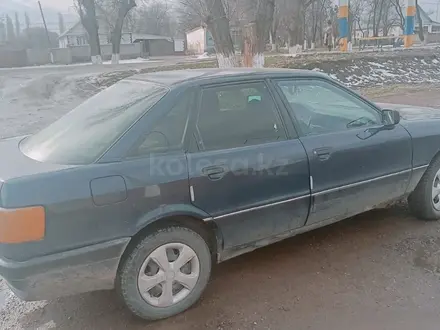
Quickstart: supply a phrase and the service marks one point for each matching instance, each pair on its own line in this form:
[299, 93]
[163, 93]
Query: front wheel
[165, 273]
[424, 201]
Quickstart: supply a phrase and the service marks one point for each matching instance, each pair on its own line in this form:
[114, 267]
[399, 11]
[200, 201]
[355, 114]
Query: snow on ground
[134, 61]
[380, 71]
[203, 56]
[121, 62]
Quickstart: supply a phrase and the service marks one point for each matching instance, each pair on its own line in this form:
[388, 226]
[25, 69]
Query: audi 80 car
[146, 185]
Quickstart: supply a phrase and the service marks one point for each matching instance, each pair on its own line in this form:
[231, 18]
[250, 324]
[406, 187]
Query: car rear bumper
[82, 270]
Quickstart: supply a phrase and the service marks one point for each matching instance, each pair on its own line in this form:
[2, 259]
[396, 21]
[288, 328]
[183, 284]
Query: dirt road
[380, 270]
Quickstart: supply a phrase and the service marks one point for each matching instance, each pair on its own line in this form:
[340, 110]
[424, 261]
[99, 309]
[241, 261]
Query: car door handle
[323, 154]
[214, 172]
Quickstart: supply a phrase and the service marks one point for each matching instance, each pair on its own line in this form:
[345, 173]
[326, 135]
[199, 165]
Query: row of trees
[116, 12]
[29, 37]
[297, 23]
[378, 17]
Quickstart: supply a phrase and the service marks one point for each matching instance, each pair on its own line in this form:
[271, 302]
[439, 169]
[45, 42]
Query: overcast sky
[64, 5]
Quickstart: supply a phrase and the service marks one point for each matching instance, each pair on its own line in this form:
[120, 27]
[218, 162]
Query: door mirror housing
[390, 117]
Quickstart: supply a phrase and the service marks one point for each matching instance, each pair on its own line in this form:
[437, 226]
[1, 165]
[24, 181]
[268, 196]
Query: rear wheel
[165, 273]
[424, 201]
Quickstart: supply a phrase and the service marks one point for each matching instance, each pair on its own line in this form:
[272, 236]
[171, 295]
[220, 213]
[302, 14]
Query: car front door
[245, 168]
[356, 163]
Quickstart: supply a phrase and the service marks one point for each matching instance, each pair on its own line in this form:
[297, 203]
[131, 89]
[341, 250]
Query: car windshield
[85, 133]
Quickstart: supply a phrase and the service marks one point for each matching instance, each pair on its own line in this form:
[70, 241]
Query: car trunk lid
[14, 164]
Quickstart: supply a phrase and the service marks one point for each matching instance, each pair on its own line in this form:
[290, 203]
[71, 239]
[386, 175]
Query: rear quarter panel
[73, 219]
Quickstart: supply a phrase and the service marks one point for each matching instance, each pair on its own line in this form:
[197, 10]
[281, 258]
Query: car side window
[321, 107]
[168, 133]
[238, 115]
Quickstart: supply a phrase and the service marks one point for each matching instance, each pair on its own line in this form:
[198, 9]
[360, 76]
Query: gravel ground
[376, 271]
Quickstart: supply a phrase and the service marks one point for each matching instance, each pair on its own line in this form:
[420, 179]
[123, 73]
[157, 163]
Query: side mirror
[390, 117]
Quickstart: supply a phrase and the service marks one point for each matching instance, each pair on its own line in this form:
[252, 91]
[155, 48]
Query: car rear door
[246, 168]
[355, 163]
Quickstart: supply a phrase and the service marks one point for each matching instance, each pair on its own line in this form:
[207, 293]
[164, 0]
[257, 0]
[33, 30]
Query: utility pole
[343, 25]
[47, 32]
[410, 21]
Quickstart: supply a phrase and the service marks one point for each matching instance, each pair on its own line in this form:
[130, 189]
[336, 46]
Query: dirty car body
[244, 157]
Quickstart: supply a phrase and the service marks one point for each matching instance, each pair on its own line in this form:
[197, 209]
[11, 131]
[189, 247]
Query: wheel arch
[195, 220]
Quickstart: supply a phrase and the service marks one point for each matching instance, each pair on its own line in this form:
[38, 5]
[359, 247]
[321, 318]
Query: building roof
[195, 29]
[69, 30]
[143, 36]
[426, 20]
[170, 78]
[100, 14]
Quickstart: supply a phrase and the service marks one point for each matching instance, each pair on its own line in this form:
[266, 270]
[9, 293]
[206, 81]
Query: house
[199, 40]
[77, 34]
[429, 25]
[155, 45]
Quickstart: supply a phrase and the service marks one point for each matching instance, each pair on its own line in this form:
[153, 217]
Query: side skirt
[242, 249]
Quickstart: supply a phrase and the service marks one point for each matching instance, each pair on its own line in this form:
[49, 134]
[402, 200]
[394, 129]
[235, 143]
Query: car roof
[199, 76]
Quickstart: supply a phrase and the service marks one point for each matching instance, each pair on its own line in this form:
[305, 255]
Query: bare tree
[356, 15]
[317, 14]
[124, 7]
[61, 25]
[390, 18]
[396, 4]
[217, 22]
[190, 13]
[10, 29]
[254, 17]
[17, 26]
[256, 33]
[377, 8]
[294, 23]
[154, 18]
[420, 22]
[2, 30]
[115, 12]
[87, 13]
[27, 21]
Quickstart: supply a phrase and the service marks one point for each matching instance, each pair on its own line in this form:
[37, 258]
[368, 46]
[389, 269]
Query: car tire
[421, 201]
[142, 264]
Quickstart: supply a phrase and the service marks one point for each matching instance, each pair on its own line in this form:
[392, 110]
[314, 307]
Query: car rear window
[85, 133]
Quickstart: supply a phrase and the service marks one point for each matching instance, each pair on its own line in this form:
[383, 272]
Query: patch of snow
[203, 56]
[376, 64]
[386, 73]
[134, 61]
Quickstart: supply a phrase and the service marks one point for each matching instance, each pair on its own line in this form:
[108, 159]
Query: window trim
[332, 83]
[195, 131]
[178, 149]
